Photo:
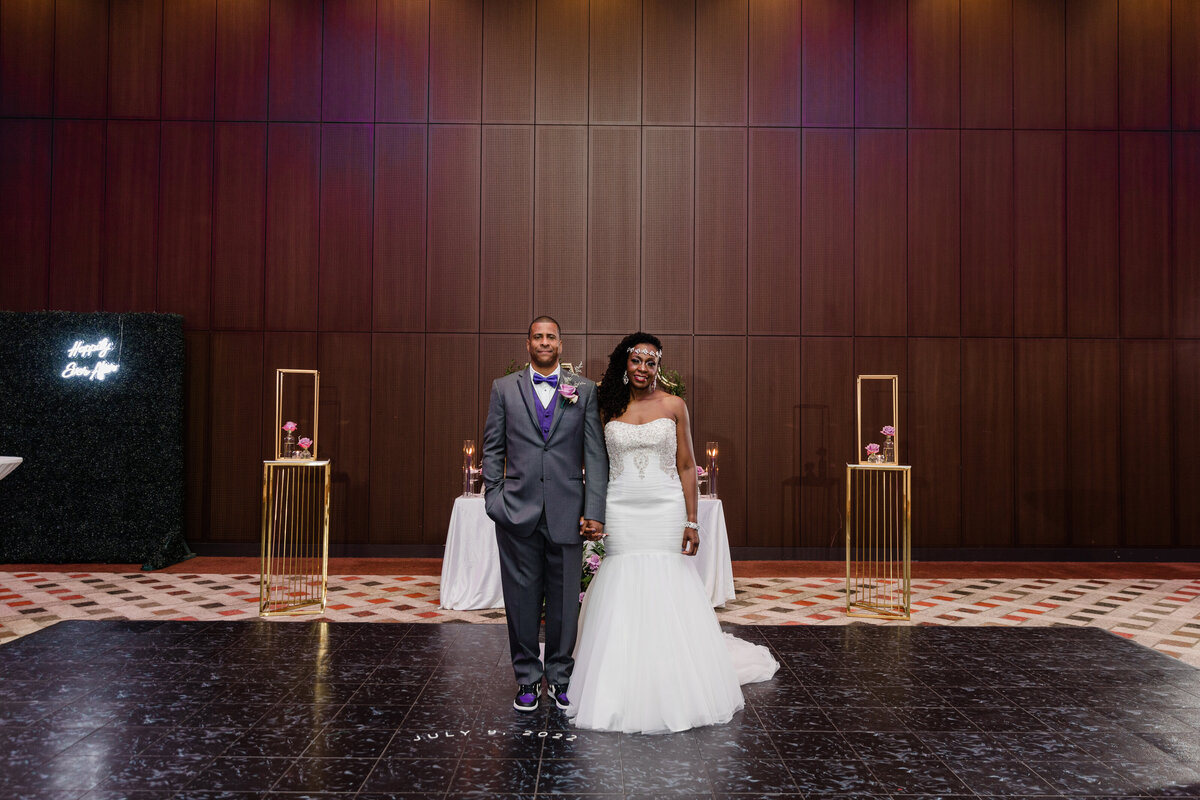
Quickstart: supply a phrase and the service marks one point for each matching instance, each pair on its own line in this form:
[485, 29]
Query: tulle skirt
[650, 656]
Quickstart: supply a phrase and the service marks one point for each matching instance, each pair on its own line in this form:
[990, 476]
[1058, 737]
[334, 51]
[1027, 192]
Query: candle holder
[470, 471]
[712, 450]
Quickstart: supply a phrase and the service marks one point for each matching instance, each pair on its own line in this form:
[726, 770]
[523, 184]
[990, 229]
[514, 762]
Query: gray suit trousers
[537, 565]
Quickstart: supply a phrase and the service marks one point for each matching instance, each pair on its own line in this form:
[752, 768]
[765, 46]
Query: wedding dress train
[650, 656]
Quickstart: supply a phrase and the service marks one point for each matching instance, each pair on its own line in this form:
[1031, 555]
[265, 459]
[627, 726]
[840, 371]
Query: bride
[650, 656]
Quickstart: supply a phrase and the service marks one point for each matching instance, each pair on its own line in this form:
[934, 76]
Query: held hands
[691, 541]
[591, 530]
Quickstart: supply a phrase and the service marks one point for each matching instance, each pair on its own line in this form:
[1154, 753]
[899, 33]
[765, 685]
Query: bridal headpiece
[644, 351]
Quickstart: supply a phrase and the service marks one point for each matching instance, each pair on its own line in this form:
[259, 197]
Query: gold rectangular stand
[878, 541]
[295, 537]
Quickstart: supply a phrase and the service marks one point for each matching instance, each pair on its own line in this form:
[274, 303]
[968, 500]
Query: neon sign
[81, 350]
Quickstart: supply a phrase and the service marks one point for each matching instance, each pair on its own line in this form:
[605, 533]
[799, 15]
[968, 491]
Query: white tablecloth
[471, 566]
[8, 464]
[713, 562]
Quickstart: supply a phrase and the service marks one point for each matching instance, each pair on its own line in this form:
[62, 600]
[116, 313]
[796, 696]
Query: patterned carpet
[1161, 614]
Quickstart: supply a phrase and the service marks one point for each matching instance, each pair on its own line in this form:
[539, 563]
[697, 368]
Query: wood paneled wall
[997, 199]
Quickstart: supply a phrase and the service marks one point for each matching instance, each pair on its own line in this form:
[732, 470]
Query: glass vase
[889, 452]
[289, 445]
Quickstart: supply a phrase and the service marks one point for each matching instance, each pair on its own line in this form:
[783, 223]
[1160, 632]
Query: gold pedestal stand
[878, 541]
[295, 542]
[878, 510]
[295, 518]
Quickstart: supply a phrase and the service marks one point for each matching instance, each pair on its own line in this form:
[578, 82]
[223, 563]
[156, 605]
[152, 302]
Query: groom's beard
[548, 362]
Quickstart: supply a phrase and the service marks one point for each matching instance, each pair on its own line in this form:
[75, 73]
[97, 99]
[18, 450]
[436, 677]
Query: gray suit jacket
[524, 473]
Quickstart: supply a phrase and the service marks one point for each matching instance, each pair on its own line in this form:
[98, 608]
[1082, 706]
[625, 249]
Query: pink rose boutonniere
[569, 392]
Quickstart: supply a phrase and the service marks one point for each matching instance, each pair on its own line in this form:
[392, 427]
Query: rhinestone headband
[644, 352]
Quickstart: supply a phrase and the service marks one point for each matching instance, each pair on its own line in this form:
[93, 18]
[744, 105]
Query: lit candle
[712, 450]
[468, 466]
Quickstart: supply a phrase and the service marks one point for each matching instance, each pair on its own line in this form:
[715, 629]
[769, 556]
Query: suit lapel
[560, 408]
[525, 389]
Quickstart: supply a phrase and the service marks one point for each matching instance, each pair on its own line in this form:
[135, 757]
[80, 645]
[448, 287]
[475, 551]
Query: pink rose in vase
[305, 443]
[871, 449]
[289, 426]
[888, 430]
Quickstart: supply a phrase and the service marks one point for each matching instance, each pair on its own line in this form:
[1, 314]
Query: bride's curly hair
[613, 393]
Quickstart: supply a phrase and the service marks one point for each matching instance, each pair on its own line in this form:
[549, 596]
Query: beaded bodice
[634, 447]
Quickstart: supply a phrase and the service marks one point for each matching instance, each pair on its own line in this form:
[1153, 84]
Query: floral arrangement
[872, 448]
[888, 430]
[593, 554]
[305, 443]
[672, 382]
[288, 448]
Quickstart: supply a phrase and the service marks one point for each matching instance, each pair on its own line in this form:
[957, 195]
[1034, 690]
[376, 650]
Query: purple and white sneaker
[527, 696]
[559, 692]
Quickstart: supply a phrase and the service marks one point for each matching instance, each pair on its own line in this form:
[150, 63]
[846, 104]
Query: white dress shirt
[545, 391]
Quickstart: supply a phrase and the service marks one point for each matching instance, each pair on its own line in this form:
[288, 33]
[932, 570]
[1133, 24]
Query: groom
[542, 430]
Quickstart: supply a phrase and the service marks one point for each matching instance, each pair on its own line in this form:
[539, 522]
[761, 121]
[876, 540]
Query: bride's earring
[654, 384]
[625, 377]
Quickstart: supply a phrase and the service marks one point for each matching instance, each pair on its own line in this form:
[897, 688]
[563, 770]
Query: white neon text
[81, 350]
[96, 373]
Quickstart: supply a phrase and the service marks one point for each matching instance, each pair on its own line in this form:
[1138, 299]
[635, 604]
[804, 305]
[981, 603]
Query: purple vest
[544, 415]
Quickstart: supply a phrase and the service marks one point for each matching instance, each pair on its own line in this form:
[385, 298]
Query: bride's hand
[691, 542]
[591, 530]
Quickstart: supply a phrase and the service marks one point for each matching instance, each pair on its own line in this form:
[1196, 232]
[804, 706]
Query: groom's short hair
[544, 318]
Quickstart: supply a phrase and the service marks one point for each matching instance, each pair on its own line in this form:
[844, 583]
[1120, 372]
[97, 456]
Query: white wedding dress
[650, 656]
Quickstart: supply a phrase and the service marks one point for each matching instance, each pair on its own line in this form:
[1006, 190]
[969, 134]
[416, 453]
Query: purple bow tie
[550, 379]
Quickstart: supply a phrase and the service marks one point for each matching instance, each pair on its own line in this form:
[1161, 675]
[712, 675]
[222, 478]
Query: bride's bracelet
[693, 525]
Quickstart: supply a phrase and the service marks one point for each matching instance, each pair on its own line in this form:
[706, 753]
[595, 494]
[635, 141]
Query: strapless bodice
[641, 452]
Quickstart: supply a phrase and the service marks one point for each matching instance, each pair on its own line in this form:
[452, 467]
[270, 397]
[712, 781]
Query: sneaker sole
[525, 709]
[560, 705]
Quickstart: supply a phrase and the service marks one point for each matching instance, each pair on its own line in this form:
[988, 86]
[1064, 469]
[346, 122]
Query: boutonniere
[568, 391]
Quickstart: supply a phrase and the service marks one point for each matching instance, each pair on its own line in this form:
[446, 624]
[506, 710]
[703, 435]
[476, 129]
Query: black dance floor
[192, 710]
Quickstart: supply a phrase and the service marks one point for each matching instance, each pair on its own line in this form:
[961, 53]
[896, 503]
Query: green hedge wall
[102, 479]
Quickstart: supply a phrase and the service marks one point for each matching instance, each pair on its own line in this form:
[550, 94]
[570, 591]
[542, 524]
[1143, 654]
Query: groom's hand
[691, 542]
[591, 530]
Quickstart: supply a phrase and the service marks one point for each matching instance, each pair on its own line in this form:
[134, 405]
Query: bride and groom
[565, 460]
